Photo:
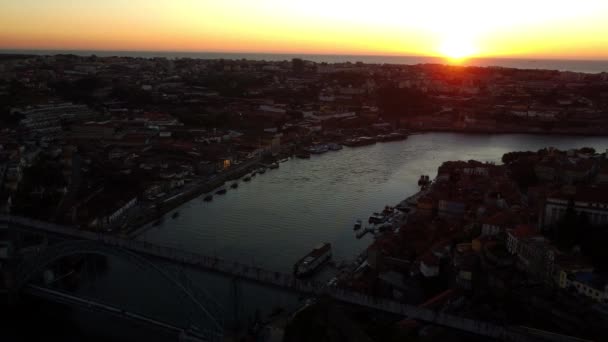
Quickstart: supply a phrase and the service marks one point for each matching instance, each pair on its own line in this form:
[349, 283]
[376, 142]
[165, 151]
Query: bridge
[90, 241]
[65, 298]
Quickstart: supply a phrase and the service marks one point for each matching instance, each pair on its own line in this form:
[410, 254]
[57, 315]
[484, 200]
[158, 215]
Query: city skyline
[541, 29]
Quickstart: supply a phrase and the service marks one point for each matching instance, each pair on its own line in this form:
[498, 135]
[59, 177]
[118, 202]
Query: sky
[573, 29]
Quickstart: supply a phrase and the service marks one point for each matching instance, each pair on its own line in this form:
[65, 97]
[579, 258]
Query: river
[280, 215]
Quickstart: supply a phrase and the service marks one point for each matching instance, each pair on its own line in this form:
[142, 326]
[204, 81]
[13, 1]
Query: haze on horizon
[457, 29]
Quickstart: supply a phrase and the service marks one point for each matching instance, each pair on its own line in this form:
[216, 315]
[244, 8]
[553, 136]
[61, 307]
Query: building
[517, 234]
[587, 284]
[589, 200]
[536, 256]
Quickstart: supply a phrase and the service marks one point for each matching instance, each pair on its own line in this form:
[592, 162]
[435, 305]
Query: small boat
[376, 218]
[313, 260]
[208, 198]
[262, 171]
[246, 179]
[175, 215]
[234, 185]
[156, 223]
[303, 155]
[358, 224]
[221, 191]
[273, 166]
[318, 149]
[364, 232]
[334, 147]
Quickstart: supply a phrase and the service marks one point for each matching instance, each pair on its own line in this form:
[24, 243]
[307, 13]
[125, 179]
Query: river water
[280, 215]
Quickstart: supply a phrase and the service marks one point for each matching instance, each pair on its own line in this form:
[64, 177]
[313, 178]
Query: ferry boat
[311, 261]
[358, 224]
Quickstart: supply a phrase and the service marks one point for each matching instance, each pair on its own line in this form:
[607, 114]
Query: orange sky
[533, 28]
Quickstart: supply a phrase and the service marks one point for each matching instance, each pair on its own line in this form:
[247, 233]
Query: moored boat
[334, 147]
[303, 155]
[318, 149]
[246, 179]
[358, 225]
[208, 198]
[376, 218]
[221, 191]
[175, 214]
[364, 232]
[313, 260]
[234, 185]
[273, 166]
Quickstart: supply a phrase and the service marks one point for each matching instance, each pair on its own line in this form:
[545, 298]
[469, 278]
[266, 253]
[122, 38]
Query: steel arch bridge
[207, 315]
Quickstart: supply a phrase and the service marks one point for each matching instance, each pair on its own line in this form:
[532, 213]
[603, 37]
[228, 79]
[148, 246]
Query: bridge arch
[33, 267]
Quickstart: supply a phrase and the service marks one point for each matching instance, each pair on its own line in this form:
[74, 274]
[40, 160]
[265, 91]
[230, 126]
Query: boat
[364, 232]
[318, 149]
[246, 179]
[221, 191]
[357, 225]
[376, 218]
[261, 170]
[234, 185]
[208, 198]
[273, 166]
[303, 155]
[334, 147]
[175, 215]
[361, 141]
[313, 260]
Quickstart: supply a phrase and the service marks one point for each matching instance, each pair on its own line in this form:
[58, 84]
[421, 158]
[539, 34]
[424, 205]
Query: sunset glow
[455, 29]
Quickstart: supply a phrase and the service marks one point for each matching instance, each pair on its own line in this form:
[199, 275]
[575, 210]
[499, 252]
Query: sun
[457, 48]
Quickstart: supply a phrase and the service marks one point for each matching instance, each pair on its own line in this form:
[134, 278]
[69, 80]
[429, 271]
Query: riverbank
[190, 192]
[596, 132]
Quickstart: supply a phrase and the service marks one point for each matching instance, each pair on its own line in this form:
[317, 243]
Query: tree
[297, 65]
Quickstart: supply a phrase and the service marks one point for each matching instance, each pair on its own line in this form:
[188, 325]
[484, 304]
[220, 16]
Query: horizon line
[516, 57]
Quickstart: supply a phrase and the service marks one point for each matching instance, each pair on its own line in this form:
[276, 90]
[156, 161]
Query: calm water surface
[280, 215]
